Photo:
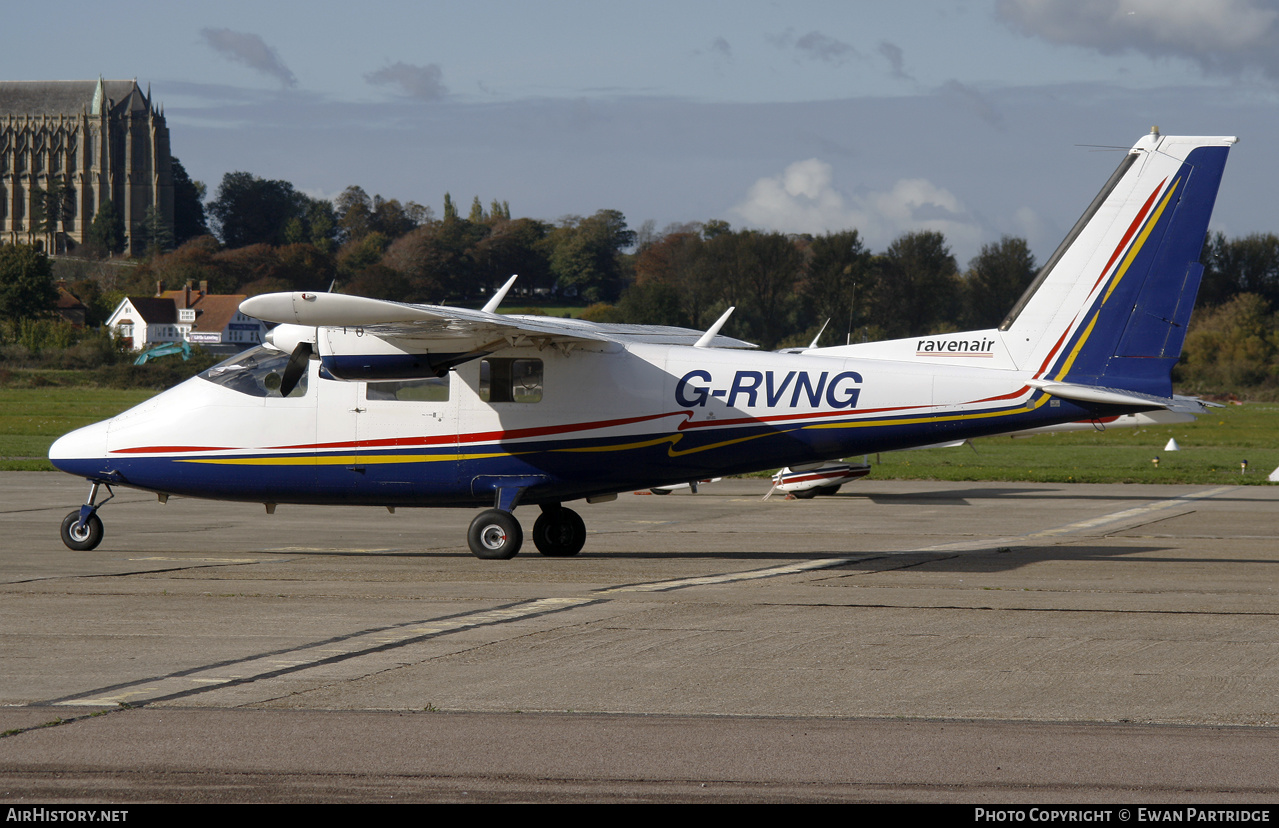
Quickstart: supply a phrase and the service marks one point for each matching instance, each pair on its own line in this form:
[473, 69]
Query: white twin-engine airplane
[362, 401]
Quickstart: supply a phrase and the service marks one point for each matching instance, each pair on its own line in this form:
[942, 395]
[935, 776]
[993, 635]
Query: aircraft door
[337, 467]
[406, 435]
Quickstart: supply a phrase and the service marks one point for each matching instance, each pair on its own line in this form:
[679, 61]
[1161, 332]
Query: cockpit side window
[511, 380]
[258, 372]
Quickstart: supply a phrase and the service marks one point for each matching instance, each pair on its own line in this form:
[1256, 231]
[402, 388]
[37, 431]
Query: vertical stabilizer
[1110, 307]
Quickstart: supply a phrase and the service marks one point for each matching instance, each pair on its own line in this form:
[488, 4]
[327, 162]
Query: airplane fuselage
[590, 423]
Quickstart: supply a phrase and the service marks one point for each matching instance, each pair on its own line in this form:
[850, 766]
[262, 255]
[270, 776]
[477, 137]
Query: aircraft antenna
[713, 330]
[491, 305]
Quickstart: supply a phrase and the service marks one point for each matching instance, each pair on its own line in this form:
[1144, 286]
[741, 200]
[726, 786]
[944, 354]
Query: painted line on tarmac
[268, 665]
[1128, 515]
[329, 651]
[972, 545]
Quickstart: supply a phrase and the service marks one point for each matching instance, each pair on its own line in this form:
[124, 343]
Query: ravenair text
[956, 347]
[771, 389]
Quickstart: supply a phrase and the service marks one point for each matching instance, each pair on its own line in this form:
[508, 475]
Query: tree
[1246, 265]
[359, 254]
[354, 212]
[50, 210]
[837, 266]
[437, 258]
[586, 254]
[156, 232]
[997, 277]
[766, 269]
[918, 289]
[26, 282]
[189, 221]
[106, 233]
[250, 210]
[670, 266]
[1233, 346]
[512, 247]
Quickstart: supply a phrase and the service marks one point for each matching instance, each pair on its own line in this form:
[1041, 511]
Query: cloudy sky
[977, 118]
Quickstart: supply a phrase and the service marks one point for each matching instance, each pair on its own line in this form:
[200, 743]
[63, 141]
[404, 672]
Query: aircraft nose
[81, 452]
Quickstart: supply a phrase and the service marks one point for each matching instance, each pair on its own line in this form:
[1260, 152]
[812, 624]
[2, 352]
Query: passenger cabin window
[511, 380]
[421, 390]
[258, 373]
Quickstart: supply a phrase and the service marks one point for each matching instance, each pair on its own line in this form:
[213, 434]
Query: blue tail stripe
[1141, 326]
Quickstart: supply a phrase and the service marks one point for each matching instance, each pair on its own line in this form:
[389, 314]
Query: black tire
[829, 490]
[495, 535]
[805, 494]
[78, 537]
[559, 533]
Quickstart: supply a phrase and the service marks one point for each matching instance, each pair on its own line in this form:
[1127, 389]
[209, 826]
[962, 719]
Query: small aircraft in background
[823, 479]
[826, 478]
[362, 401]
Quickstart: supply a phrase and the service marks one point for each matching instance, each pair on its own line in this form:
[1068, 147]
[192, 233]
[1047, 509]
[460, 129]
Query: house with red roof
[188, 315]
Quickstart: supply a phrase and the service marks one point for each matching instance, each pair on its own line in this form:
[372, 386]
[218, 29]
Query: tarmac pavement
[900, 641]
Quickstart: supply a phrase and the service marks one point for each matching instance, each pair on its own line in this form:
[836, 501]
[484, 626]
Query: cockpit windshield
[258, 372]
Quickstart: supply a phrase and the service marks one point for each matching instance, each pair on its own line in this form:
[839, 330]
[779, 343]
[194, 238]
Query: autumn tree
[1233, 346]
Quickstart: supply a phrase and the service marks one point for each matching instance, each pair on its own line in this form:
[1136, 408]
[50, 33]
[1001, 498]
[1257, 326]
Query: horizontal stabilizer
[1100, 396]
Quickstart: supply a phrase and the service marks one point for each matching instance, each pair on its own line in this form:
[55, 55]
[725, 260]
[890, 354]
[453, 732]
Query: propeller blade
[294, 370]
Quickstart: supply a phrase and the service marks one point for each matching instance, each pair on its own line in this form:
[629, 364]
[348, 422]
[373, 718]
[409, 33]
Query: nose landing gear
[82, 529]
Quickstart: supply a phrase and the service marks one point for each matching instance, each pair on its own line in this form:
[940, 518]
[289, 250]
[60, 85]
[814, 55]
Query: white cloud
[804, 199]
[1228, 37]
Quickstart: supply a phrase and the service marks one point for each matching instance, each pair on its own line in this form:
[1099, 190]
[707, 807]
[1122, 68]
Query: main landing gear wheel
[495, 535]
[559, 533]
[81, 536]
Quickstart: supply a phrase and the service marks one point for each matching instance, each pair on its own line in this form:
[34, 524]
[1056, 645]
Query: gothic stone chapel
[68, 147]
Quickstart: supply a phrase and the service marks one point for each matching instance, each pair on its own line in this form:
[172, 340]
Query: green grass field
[1211, 448]
[1211, 451]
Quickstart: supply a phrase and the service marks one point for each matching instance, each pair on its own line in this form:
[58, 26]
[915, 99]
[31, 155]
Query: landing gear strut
[82, 529]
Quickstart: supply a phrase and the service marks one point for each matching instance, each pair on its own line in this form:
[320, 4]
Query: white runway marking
[369, 641]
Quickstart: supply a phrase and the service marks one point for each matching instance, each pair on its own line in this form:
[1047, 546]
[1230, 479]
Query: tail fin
[1111, 305]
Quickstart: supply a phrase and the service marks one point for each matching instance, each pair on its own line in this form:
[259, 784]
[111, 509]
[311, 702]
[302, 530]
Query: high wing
[423, 324]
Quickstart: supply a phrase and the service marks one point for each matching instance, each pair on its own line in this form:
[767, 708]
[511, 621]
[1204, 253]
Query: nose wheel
[82, 529]
[81, 536]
